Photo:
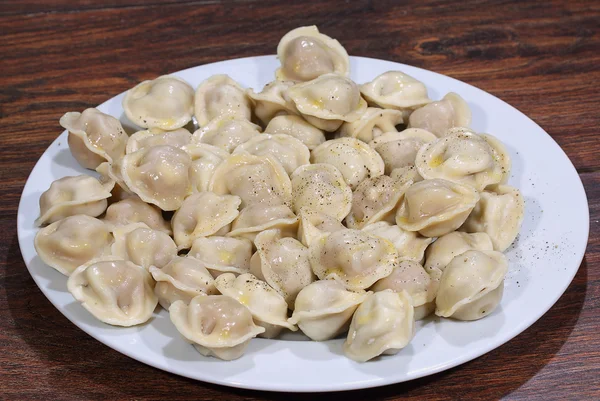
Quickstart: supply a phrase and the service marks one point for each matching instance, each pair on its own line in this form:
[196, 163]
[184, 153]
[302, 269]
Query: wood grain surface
[541, 57]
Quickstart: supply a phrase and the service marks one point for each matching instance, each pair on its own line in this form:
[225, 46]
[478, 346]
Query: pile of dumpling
[300, 206]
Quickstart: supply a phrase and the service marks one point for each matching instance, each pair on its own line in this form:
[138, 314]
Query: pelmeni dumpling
[409, 244]
[466, 158]
[115, 291]
[203, 214]
[166, 102]
[321, 187]
[222, 254]
[156, 136]
[355, 258]
[435, 207]
[268, 308]
[259, 217]
[72, 241]
[255, 179]
[290, 152]
[353, 158]
[216, 325]
[411, 277]
[399, 149]
[471, 286]
[158, 175]
[226, 132]
[182, 279]
[372, 124]
[143, 246]
[205, 159]
[135, 210]
[73, 195]
[499, 213]
[298, 128]
[314, 224]
[221, 96]
[395, 90]
[94, 137]
[271, 101]
[327, 101]
[305, 54]
[382, 324]
[438, 117]
[324, 308]
[283, 263]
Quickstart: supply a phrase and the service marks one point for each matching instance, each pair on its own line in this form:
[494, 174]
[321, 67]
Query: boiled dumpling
[226, 132]
[143, 246]
[223, 254]
[166, 102]
[305, 54]
[73, 195]
[471, 286]
[94, 137]
[399, 149]
[271, 101]
[314, 224]
[298, 128]
[395, 90]
[135, 210]
[268, 308]
[216, 325]
[73, 241]
[290, 152]
[156, 137]
[353, 158]
[382, 324]
[220, 96]
[205, 159]
[372, 124]
[409, 244]
[203, 214]
[259, 217]
[117, 292]
[435, 207]
[438, 117]
[324, 308]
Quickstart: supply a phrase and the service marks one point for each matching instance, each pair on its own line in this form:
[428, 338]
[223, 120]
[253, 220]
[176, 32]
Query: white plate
[543, 261]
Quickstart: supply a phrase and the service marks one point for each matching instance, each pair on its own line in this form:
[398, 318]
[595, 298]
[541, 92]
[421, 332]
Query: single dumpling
[259, 217]
[222, 254]
[372, 124]
[255, 179]
[156, 137]
[73, 241]
[321, 187]
[298, 128]
[499, 213]
[324, 308]
[221, 96]
[166, 102]
[283, 263]
[314, 224]
[438, 117]
[327, 101]
[73, 195]
[117, 292]
[267, 306]
[290, 152]
[471, 286]
[382, 324]
[135, 210]
[466, 158]
[216, 325]
[355, 159]
[435, 207]
[305, 54]
[205, 159]
[356, 258]
[203, 214]
[271, 101]
[411, 277]
[409, 244]
[143, 246]
[399, 149]
[94, 137]
[226, 132]
[395, 90]
[182, 279]
[158, 175]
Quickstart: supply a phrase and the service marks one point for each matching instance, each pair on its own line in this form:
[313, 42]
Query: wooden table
[541, 57]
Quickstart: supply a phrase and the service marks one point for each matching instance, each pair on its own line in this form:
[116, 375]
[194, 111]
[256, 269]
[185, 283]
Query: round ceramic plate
[543, 260]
